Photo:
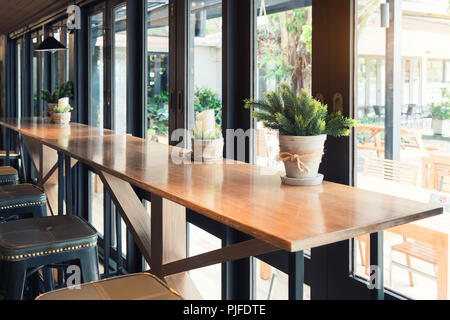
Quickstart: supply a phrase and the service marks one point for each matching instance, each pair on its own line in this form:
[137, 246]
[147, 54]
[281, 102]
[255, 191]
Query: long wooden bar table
[238, 195]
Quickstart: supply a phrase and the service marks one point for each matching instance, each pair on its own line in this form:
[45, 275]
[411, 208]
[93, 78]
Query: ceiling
[15, 14]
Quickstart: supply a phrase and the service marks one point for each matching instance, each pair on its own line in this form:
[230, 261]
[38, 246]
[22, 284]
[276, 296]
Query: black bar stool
[8, 175]
[140, 286]
[22, 201]
[28, 245]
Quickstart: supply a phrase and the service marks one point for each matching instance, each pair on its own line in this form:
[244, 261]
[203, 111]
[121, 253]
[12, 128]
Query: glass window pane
[204, 93]
[96, 70]
[120, 70]
[283, 54]
[205, 59]
[158, 71]
[95, 111]
[420, 172]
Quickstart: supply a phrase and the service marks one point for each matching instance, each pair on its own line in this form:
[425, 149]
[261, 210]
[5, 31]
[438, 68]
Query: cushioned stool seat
[8, 175]
[38, 242]
[22, 199]
[140, 286]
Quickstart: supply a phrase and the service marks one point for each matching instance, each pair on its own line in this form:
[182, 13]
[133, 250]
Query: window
[205, 59]
[120, 69]
[283, 54]
[157, 108]
[415, 254]
[60, 59]
[95, 110]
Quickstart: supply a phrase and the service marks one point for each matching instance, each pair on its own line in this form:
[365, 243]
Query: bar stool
[28, 245]
[22, 201]
[8, 175]
[139, 286]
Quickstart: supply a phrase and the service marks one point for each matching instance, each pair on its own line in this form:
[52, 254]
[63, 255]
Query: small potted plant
[303, 124]
[207, 140]
[440, 118]
[61, 113]
[65, 90]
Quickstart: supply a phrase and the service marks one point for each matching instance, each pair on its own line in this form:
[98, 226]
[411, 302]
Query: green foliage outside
[440, 111]
[205, 99]
[158, 114]
[65, 90]
[298, 115]
[285, 47]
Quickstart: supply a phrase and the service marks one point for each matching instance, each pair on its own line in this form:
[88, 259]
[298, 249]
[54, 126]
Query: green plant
[298, 115]
[57, 109]
[205, 99]
[207, 135]
[158, 115]
[64, 90]
[440, 111]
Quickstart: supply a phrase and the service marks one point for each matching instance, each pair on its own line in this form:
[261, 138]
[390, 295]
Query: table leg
[296, 275]
[376, 261]
[442, 274]
[68, 180]
[60, 183]
[156, 235]
[8, 146]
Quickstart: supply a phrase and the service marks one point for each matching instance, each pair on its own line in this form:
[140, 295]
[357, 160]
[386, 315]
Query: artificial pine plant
[298, 115]
[65, 90]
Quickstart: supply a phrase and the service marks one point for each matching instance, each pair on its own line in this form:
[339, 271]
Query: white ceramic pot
[207, 150]
[441, 127]
[61, 118]
[304, 152]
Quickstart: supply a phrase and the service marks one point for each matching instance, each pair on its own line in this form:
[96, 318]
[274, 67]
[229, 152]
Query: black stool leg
[17, 272]
[89, 264]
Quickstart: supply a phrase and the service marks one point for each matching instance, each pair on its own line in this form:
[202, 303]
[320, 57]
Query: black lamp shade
[50, 44]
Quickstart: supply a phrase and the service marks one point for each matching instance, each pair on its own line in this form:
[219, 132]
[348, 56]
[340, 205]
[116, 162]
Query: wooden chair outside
[396, 171]
[436, 172]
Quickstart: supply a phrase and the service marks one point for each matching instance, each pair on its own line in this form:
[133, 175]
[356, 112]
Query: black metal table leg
[296, 275]
[107, 233]
[376, 283]
[238, 274]
[60, 183]
[8, 146]
[68, 180]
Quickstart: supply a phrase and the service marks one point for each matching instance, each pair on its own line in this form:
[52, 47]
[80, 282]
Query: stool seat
[34, 237]
[140, 286]
[21, 195]
[8, 175]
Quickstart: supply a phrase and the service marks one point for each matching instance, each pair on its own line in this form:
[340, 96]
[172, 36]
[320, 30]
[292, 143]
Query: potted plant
[303, 124]
[61, 113]
[65, 90]
[440, 118]
[207, 140]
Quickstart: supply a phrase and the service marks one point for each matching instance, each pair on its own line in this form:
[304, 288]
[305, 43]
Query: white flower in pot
[61, 113]
[207, 141]
[303, 124]
[65, 90]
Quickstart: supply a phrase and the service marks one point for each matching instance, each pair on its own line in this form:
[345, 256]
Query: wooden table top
[40, 127]
[243, 196]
